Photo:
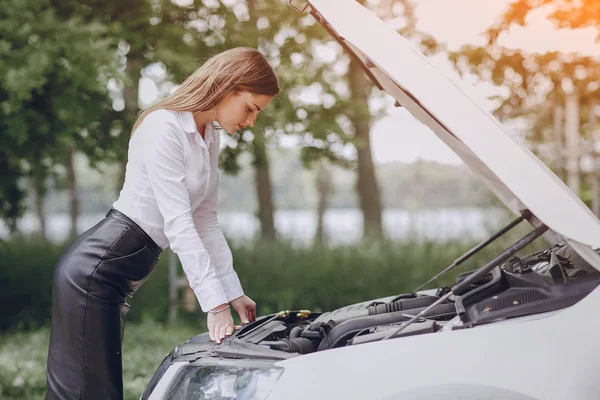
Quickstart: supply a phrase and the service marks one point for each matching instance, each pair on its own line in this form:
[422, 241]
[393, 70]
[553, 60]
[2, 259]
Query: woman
[169, 198]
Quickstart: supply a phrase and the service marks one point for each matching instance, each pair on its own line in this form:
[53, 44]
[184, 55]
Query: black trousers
[91, 280]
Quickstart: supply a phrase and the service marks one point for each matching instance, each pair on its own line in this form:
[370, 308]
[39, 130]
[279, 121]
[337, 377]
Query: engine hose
[296, 331]
[297, 345]
[403, 305]
[399, 305]
[354, 325]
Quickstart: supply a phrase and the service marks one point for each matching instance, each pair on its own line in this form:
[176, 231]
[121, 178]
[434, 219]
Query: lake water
[343, 226]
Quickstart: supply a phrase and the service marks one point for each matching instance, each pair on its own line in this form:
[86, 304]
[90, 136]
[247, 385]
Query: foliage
[565, 14]
[142, 33]
[530, 79]
[525, 74]
[52, 92]
[26, 280]
[534, 85]
[58, 54]
[292, 43]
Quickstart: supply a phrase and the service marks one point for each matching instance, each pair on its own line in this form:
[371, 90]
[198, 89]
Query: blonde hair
[235, 70]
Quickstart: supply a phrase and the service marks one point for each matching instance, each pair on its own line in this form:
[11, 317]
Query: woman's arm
[166, 172]
[207, 225]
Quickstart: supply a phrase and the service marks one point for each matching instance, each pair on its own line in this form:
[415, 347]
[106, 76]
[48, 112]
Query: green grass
[23, 358]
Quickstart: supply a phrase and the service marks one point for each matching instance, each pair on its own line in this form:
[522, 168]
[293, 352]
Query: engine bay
[544, 281]
[508, 286]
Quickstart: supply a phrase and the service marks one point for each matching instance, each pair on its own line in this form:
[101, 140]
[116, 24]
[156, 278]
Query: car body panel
[534, 357]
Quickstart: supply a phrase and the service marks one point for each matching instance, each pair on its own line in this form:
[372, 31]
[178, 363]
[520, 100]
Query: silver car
[520, 327]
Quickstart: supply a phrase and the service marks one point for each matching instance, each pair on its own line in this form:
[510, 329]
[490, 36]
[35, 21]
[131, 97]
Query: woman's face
[239, 110]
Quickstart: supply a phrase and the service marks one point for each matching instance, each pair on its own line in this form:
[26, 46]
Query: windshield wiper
[525, 214]
[463, 286]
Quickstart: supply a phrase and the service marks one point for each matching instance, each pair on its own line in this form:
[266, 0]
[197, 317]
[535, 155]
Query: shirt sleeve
[166, 172]
[207, 225]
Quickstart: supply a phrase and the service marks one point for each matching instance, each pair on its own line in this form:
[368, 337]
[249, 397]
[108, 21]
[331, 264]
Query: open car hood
[511, 170]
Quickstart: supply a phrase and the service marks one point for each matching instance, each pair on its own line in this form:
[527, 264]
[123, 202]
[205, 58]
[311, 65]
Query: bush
[26, 267]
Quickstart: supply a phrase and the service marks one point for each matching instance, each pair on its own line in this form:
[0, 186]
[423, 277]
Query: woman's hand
[220, 324]
[246, 308]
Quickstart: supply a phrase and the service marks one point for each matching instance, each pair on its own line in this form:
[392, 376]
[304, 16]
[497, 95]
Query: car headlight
[223, 382]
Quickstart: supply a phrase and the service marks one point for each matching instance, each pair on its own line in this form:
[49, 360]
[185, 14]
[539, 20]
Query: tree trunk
[324, 189]
[595, 175]
[264, 189]
[572, 141]
[74, 210]
[558, 117]
[367, 187]
[133, 72]
[39, 189]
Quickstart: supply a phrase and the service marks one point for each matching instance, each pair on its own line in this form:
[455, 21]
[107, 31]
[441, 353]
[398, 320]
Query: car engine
[541, 282]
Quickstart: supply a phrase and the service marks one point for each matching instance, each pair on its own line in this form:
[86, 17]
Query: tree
[324, 189]
[361, 118]
[264, 189]
[48, 66]
[143, 32]
[568, 81]
[288, 41]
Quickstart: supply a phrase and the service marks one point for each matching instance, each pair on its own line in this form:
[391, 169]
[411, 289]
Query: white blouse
[170, 190]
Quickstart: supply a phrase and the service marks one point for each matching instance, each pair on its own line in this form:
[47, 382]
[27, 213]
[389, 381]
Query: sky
[400, 137]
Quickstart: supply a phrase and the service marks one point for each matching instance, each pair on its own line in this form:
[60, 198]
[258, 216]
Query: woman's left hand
[246, 308]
